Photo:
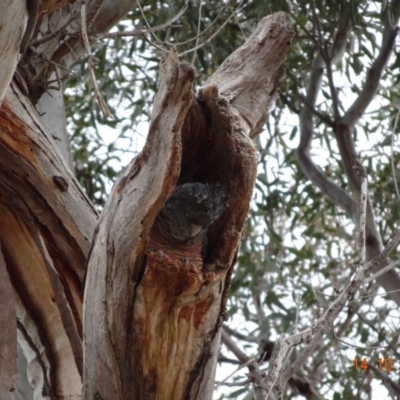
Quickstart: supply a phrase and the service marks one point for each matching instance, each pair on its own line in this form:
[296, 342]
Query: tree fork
[152, 319]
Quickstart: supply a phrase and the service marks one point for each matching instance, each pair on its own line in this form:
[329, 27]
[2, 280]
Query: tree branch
[322, 117]
[260, 392]
[357, 109]
[102, 104]
[314, 173]
[240, 336]
[314, 334]
[343, 133]
[342, 129]
[389, 383]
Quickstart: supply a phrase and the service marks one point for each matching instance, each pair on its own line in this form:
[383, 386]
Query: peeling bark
[46, 226]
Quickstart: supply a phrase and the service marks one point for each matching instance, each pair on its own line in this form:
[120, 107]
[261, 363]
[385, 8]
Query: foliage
[299, 247]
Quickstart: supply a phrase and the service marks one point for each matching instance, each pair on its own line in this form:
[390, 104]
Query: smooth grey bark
[52, 109]
[51, 103]
[24, 389]
[12, 20]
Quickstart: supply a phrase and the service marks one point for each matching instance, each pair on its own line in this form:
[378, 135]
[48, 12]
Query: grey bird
[191, 209]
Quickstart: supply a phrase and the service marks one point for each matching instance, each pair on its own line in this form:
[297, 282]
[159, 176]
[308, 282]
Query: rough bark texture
[46, 221]
[46, 226]
[152, 314]
[250, 78]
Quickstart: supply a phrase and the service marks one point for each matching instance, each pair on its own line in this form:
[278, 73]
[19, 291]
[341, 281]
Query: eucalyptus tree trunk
[147, 323]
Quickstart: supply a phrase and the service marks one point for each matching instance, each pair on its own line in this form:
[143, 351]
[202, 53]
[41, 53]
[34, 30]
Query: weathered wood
[12, 16]
[115, 266]
[177, 326]
[153, 315]
[152, 318]
[46, 226]
[251, 76]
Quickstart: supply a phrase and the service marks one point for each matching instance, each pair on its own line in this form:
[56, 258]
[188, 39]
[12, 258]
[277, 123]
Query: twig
[314, 334]
[391, 157]
[238, 22]
[231, 345]
[392, 243]
[93, 11]
[52, 35]
[387, 293]
[205, 30]
[119, 34]
[208, 40]
[240, 336]
[100, 100]
[308, 34]
[198, 31]
[356, 346]
[382, 271]
[149, 29]
[386, 379]
[321, 326]
[373, 327]
[55, 64]
[356, 110]
[335, 100]
[255, 373]
[241, 366]
[168, 23]
[360, 172]
[146, 39]
[322, 117]
[233, 384]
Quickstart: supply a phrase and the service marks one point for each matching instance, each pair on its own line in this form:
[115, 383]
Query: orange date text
[384, 364]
